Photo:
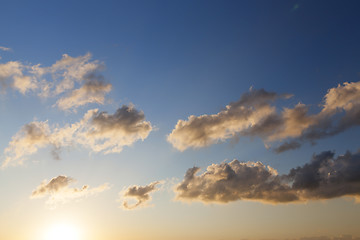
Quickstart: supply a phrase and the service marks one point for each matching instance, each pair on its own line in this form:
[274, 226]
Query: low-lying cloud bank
[98, 131]
[140, 193]
[75, 81]
[58, 191]
[325, 177]
[255, 115]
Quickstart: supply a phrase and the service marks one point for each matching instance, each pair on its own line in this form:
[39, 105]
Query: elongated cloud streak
[205, 130]
[90, 92]
[140, 193]
[325, 177]
[75, 81]
[254, 115]
[99, 131]
[58, 191]
[5, 49]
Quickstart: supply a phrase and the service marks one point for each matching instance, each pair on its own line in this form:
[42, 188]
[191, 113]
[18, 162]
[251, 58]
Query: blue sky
[169, 60]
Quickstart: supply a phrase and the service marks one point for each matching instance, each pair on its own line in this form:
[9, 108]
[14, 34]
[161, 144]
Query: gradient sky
[124, 118]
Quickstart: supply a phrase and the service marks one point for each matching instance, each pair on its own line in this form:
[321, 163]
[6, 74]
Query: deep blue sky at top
[176, 58]
[194, 47]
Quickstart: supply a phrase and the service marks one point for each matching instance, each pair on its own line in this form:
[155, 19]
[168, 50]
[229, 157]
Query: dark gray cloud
[287, 146]
[255, 115]
[325, 177]
[140, 193]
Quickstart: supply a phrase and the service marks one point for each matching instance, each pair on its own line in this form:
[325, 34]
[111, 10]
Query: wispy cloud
[99, 131]
[27, 141]
[75, 81]
[91, 92]
[325, 177]
[58, 191]
[140, 193]
[5, 49]
[11, 75]
[256, 115]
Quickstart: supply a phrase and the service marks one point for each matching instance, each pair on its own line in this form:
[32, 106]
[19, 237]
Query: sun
[62, 231]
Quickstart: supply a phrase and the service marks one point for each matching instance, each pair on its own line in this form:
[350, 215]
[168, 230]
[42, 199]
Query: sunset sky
[199, 120]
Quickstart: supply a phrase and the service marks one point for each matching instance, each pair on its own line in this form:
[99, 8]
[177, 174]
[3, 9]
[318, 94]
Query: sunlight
[62, 231]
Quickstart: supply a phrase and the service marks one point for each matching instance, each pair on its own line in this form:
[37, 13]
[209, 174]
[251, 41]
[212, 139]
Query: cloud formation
[140, 193]
[75, 81]
[27, 141]
[5, 49]
[11, 75]
[58, 191]
[91, 92]
[255, 115]
[325, 177]
[98, 131]
[252, 108]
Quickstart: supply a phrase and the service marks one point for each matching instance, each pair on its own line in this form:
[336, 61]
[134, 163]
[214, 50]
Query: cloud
[27, 141]
[58, 191]
[110, 132]
[325, 177]
[254, 115]
[99, 131]
[71, 70]
[76, 81]
[12, 75]
[90, 92]
[196, 132]
[5, 49]
[287, 146]
[140, 193]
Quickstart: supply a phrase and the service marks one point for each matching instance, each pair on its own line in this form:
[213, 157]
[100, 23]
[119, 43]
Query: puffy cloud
[252, 108]
[254, 115]
[110, 132]
[75, 80]
[58, 190]
[325, 177]
[140, 193]
[99, 131]
[226, 182]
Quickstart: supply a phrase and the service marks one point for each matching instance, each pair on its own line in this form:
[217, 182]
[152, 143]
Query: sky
[216, 120]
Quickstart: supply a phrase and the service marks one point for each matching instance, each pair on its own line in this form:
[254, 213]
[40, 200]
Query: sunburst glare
[62, 231]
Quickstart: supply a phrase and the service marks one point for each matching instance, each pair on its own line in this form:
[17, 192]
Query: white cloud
[99, 131]
[5, 49]
[90, 92]
[58, 191]
[76, 81]
[255, 115]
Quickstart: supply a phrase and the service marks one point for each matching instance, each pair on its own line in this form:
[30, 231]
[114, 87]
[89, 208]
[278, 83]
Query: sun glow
[61, 232]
